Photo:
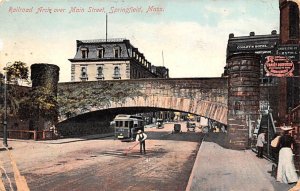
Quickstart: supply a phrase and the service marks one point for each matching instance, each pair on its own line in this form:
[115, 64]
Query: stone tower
[44, 79]
[45, 75]
[243, 97]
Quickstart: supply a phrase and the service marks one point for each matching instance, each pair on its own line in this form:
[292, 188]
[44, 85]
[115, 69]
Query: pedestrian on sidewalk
[286, 171]
[260, 143]
[141, 137]
[275, 147]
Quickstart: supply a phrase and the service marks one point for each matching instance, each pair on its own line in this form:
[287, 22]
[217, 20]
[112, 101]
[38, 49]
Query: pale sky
[192, 34]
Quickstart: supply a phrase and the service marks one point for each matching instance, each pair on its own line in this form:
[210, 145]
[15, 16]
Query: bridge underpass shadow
[182, 136]
[218, 138]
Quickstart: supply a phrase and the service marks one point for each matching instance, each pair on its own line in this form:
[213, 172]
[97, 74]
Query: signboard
[252, 46]
[259, 46]
[279, 66]
[290, 51]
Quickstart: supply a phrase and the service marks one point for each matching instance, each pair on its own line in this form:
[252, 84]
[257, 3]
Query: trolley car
[126, 126]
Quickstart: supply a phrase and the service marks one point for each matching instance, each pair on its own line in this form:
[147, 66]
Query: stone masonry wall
[243, 97]
[203, 96]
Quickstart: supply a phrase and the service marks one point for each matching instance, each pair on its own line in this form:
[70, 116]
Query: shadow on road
[218, 138]
[153, 135]
[135, 154]
[183, 136]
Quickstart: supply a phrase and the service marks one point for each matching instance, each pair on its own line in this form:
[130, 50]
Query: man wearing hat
[286, 171]
[141, 137]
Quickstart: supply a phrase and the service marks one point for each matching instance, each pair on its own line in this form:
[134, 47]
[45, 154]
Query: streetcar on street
[126, 126]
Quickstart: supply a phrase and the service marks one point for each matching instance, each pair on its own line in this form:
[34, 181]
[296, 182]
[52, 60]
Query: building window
[84, 75]
[293, 21]
[84, 53]
[100, 75]
[100, 52]
[117, 52]
[117, 74]
[237, 106]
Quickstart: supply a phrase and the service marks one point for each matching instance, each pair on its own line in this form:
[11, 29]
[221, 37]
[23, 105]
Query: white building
[111, 59]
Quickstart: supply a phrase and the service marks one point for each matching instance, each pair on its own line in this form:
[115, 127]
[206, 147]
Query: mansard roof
[93, 46]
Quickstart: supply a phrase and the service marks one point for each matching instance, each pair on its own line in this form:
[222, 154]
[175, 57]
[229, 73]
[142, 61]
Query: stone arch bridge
[233, 100]
[202, 96]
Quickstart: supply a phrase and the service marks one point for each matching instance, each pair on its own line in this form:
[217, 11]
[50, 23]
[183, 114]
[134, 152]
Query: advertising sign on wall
[279, 66]
[291, 51]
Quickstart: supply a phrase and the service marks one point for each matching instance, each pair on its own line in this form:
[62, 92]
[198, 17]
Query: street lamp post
[5, 111]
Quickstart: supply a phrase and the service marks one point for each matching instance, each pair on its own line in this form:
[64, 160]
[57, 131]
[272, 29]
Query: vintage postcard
[135, 95]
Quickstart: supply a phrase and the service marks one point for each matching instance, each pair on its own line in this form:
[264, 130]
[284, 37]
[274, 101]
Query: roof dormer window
[84, 53]
[100, 52]
[117, 52]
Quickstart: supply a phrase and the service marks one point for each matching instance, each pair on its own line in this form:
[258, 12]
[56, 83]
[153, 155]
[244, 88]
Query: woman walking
[286, 172]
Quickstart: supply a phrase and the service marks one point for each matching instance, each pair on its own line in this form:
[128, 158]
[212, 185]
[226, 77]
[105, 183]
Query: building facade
[279, 85]
[111, 59]
[279, 70]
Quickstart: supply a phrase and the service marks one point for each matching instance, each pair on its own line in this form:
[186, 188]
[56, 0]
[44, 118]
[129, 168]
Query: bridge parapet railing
[31, 134]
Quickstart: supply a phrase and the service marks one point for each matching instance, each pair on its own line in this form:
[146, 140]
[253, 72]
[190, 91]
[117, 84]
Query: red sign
[279, 66]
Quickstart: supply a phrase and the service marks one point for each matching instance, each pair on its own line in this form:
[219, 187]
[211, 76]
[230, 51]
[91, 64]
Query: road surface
[100, 164]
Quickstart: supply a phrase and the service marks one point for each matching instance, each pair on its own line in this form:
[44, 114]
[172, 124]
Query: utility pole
[106, 29]
[163, 59]
[5, 111]
[268, 148]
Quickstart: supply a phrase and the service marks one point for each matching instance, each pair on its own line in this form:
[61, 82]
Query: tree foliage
[17, 73]
[40, 102]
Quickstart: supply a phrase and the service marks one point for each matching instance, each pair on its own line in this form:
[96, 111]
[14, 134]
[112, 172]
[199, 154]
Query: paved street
[94, 163]
[99, 164]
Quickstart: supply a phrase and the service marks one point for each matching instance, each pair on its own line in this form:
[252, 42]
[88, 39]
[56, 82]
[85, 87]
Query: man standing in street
[141, 137]
[260, 144]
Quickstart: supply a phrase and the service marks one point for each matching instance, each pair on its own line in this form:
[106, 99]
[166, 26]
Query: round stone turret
[44, 79]
[243, 97]
[45, 75]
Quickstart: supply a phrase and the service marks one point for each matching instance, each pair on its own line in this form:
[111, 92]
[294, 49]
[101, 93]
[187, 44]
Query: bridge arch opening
[98, 122]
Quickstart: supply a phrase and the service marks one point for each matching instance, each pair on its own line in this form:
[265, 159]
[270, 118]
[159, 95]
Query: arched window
[117, 70]
[117, 74]
[100, 70]
[84, 75]
[100, 75]
[237, 106]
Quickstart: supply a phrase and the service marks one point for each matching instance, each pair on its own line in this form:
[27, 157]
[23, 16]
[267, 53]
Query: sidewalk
[220, 169]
